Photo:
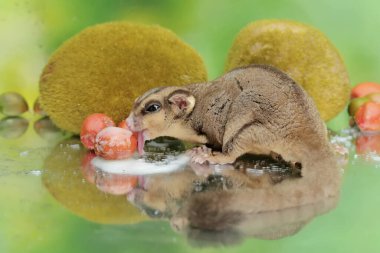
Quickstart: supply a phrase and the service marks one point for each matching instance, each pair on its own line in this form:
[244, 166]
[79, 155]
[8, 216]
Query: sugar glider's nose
[130, 122]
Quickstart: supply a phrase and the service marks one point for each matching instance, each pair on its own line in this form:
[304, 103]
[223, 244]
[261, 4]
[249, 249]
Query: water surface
[51, 203]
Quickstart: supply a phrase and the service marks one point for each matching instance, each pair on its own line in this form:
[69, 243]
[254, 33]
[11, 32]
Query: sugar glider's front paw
[199, 154]
[202, 150]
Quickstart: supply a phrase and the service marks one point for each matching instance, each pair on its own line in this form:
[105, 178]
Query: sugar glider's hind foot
[294, 166]
[277, 157]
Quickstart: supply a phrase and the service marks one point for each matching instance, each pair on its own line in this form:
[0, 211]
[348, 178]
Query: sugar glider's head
[162, 112]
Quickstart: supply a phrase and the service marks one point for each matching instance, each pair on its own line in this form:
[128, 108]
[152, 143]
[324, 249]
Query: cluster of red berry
[112, 143]
[365, 106]
[364, 109]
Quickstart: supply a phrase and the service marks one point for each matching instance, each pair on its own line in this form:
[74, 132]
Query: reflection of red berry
[363, 89]
[91, 126]
[89, 170]
[366, 144]
[116, 184]
[368, 117]
[113, 143]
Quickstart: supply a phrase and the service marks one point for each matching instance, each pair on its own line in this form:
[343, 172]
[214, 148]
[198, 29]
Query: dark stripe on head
[146, 94]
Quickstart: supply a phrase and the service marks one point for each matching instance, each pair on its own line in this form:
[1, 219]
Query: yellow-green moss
[301, 51]
[105, 67]
[63, 178]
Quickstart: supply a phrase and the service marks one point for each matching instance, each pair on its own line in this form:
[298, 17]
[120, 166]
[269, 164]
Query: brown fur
[256, 109]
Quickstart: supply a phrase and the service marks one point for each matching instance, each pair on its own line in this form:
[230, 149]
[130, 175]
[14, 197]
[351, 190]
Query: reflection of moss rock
[301, 51]
[105, 67]
[63, 178]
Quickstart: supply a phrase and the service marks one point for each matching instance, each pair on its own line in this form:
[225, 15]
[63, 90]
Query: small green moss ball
[301, 51]
[104, 68]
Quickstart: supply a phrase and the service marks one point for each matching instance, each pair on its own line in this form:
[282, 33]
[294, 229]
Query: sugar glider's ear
[181, 102]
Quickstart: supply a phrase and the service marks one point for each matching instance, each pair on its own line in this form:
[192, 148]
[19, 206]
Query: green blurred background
[31, 30]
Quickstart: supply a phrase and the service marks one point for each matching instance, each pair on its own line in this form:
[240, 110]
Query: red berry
[364, 89]
[366, 144]
[114, 143]
[89, 170]
[91, 126]
[123, 124]
[368, 117]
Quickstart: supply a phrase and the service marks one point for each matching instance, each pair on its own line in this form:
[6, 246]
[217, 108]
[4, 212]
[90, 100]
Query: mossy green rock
[106, 67]
[301, 51]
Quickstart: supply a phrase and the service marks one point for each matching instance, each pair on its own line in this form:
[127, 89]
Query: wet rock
[159, 149]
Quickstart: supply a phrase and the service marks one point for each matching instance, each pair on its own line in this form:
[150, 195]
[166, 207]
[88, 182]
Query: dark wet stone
[159, 149]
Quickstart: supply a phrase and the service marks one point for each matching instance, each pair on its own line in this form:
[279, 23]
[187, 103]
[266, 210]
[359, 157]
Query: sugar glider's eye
[153, 213]
[154, 107]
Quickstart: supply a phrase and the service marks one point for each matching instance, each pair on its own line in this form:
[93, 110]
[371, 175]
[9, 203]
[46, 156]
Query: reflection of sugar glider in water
[256, 109]
[221, 202]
